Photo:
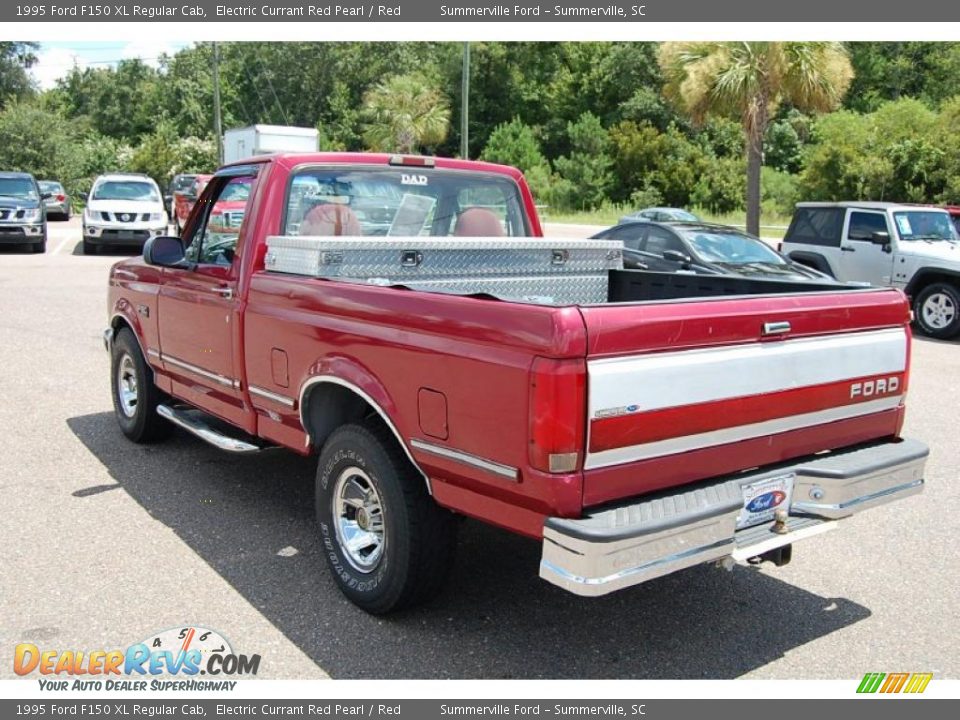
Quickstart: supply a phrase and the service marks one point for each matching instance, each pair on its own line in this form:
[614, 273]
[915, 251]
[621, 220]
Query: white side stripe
[686, 443]
[690, 377]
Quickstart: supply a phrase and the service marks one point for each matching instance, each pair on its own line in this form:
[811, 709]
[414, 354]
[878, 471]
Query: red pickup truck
[403, 319]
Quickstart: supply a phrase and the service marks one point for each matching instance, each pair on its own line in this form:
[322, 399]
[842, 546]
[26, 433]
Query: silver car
[661, 214]
[56, 200]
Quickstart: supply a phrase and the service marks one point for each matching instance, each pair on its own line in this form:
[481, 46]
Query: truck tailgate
[683, 391]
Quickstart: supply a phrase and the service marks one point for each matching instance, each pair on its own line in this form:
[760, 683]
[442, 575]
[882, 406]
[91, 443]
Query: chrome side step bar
[189, 421]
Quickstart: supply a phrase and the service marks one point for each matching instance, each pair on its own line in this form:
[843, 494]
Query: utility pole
[465, 104]
[217, 119]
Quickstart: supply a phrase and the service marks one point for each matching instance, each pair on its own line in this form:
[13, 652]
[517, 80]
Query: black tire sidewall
[135, 426]
[940, 333]
[354, 447]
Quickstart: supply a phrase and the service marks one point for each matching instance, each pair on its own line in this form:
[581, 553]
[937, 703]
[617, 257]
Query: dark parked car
[23, 219]
[702, 248]
[660, 214]
[59, 202]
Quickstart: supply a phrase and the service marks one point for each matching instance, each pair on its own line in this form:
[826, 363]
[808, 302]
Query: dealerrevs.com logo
[168, 660]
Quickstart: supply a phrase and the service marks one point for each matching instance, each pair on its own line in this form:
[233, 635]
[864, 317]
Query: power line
[283, 113]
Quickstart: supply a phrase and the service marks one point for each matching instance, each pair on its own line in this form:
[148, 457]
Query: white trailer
[240, 143]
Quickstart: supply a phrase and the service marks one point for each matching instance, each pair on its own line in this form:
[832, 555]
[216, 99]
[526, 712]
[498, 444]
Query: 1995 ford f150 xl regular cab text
[404, 319]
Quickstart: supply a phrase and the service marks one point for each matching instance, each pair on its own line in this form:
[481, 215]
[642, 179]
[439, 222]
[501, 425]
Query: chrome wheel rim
[127, 385]
[358, 519]
[939, 310]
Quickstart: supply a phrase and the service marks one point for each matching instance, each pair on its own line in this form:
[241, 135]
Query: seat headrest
[330, 220]
[478, 222]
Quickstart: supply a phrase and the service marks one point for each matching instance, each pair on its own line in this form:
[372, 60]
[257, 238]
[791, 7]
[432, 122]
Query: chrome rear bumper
[627, 544]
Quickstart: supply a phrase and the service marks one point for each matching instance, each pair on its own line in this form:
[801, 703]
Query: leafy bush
[720, 187]
[588, 169]
[779, 192]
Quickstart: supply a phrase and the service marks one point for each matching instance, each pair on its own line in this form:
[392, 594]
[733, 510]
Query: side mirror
[676, 256]
[880, 238]
[165, 251]
[46, 196]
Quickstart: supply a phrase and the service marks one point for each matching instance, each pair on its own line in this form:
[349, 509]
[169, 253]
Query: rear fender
[356, 394]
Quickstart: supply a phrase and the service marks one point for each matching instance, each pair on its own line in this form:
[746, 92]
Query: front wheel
[388, 545]
[135, 397]
[936, 311]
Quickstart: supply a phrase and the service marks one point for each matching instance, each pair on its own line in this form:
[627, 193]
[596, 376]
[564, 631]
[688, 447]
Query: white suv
[123, 209]
[911, 247]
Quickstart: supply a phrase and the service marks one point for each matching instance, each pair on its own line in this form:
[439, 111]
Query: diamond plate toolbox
[537, 270]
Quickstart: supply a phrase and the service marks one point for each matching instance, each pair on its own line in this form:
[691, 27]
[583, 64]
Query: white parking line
[56, 250]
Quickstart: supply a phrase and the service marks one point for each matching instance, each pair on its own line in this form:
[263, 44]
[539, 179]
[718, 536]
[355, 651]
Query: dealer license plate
[764, 497]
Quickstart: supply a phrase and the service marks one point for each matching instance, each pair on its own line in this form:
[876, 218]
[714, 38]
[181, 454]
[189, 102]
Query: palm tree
[750, 80]
[404, 114]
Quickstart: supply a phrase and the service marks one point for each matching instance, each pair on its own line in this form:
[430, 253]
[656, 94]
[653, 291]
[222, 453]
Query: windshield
[182, 182]
[924, 225]
[730, 247]
[125, 190]
[18, 187]
[682, 215]
[403, 202]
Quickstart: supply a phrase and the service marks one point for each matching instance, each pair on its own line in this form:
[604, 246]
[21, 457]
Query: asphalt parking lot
[104, 542]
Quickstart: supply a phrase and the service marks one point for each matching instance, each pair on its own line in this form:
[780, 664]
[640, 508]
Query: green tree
[405, 114]
[163, 153]
[589, 168]
[749, 81]
[516, 144]
[16, 59]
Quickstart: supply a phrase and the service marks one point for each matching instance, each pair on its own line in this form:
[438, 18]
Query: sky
[55, 59]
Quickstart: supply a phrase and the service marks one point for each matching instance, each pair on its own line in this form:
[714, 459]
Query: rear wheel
[135, 397]
[936, 311]
[388, 545]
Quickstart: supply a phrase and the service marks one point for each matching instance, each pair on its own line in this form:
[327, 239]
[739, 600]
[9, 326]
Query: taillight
[557, 414]
[61, 198]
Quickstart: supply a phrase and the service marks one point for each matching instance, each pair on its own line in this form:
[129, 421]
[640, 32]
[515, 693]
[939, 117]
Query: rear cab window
[403, 202]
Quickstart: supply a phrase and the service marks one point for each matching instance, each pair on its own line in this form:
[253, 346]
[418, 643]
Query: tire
[936, 311]
[40, 247]
[135, 397]
[89, 248]
[411, 539]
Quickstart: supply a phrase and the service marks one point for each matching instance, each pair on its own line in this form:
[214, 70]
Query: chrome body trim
[636, 541]
[123, 318]
[203, 431]
[108, 339]
[318, 379]
[272, 396]
[505, 471]
[219, 379]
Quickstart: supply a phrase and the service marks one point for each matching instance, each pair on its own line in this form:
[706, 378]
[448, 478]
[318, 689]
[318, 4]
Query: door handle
[847, 248]
[225, 291]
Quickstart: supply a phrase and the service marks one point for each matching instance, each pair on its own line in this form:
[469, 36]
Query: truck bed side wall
[419, 357]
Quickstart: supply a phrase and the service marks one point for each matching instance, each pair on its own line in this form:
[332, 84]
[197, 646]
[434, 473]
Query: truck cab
[910, 247]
